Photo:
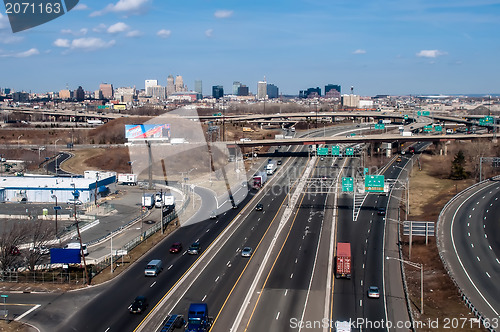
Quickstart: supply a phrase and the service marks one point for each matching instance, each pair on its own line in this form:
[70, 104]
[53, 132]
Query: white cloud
[430, 53]
[60, 42]
[359, 51]
[118, 27]
[81, 6]
[164, 33]
[90, 44]
[223, 13]
[100, 28]
[124, 6]
[209, 33]
[134, 33]
[10, 39]
[25, 54]
[81, 32]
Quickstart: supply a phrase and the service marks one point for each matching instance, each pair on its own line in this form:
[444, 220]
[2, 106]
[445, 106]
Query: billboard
[142, 131]
[65, 256]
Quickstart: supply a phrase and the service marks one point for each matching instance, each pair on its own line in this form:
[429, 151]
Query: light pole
[18, 137]
[407, 189]
[55, 152]
[55, 208]
[418, 266]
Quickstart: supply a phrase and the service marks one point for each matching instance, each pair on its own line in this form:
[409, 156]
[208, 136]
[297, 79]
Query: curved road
[468, 241]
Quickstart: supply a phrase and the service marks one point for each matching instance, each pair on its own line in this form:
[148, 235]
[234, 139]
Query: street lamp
[55, 152]
[18, 137]
[418, 266]
[407, 188]
[56, 207]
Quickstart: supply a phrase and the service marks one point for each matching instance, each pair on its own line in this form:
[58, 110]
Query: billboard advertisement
[144, 131]
[65, 256]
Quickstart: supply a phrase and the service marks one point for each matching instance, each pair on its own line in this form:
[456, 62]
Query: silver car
[246, 252]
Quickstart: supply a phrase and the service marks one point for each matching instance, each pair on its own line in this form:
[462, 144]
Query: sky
[376, 46]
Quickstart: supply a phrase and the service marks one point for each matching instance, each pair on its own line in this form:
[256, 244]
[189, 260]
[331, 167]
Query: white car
[74, 201]
[246, 252]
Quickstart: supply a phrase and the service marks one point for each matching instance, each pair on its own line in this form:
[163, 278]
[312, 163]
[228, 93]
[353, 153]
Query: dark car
[279, 162]
[194, 249]
[176, 248]
[139, 305]
[381, 211]
[259, 207]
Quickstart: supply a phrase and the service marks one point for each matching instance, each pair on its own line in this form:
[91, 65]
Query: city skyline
[382, 47]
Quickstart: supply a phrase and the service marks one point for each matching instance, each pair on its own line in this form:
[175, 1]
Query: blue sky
[377, 46]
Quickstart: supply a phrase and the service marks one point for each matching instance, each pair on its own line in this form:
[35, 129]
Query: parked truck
[259, 180]
[148, 200]
[343, 269]
[271, 167]
[127, 179]
[198, 319]
[168, 200]
[406, 133]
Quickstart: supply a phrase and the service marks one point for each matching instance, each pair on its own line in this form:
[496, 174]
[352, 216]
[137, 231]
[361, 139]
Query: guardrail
[485, 321]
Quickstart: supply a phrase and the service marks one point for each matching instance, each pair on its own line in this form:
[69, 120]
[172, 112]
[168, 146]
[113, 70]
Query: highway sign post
[347, 184]
[374, 183]
[335, 150]
[322, 152]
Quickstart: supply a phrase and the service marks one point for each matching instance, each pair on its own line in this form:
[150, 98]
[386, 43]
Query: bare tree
[39, 234]
[11, 237]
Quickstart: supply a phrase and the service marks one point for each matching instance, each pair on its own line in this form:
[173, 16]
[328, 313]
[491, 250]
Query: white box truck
[127, 179]
[271, 167]
[148, 200]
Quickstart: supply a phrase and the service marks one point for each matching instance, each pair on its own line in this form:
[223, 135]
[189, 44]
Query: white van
[153, 268]
[76, 245]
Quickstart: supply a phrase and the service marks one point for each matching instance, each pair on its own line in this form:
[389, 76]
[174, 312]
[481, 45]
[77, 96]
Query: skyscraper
[170, 85]
[243, 90]
[236, 85]
[107, 90]
[262, 89]
[272, 91]
[217, 91]
[179, 84]
[198, 87]
[148, 84]
[79, 94]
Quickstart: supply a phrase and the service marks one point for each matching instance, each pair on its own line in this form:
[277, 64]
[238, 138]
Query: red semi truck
[343, 260]
[259, 179]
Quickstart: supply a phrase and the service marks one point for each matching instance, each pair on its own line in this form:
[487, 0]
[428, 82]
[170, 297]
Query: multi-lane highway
[468, 233]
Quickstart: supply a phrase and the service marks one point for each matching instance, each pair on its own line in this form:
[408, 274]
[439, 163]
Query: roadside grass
[428, 195]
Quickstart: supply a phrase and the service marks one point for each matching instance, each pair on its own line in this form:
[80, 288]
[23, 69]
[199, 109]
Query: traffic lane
[478, 260]
[208, 204]
[288, 283]
[216, 281]
[345, 293]
[491, 226]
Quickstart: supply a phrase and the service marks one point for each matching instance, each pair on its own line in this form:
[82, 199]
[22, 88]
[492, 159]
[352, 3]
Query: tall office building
[158, 92]
[170, 85]
[272, 91]
[262, 89]
[148, 84]
[243, 90]
[329, 87]
[198, 87]
[179, 84]
[310, 93]
[107, 90]
[236, 85]
[79, 94]
[126, 94]
[66, 94]
[217, 91]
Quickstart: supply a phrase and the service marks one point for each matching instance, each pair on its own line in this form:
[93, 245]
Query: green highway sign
[379, 126]
[4, 296]
[349, 151]
[335, 150]
[374, 183]
[486, 121]
[405, 116]
[347, 184]
[426, 113]
[217, 114]
[427, 129]
[353, 134]
[419, 113]
[322, 151]
[438, 128]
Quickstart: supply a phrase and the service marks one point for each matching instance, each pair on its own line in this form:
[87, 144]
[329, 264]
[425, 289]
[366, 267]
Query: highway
[468, 233]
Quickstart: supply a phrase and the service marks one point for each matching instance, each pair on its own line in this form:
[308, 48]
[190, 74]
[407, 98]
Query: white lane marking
[472, 245]
[286, 291]
[468, 224]
[217, 279]
[152, 284]
[488, 275]
[203, 299]
[361, 282]
[28, 312]
[171, 266]
[468, 234]
[360, 303]
[473, 209]
[478, 258]
[107, 329]
[291, 276]
[278, 315]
